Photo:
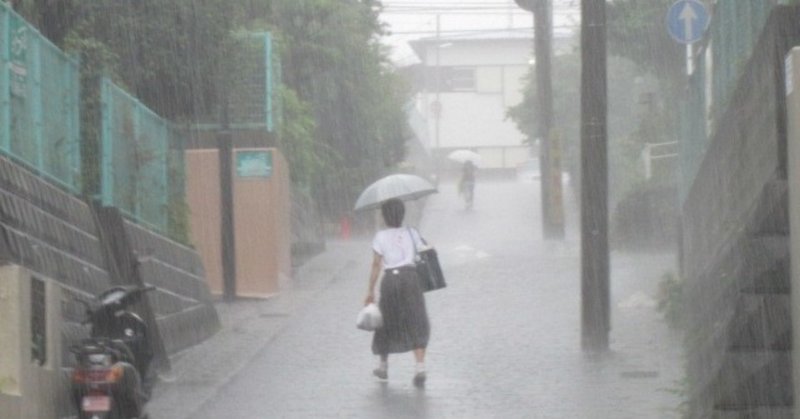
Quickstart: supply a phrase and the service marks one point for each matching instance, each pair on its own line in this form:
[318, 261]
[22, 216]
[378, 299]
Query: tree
[636, 31]
[626, 139]
[344, 122]
[334, 62]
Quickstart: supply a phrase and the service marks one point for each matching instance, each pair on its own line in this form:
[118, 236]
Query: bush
[671, 300]
[646, 218]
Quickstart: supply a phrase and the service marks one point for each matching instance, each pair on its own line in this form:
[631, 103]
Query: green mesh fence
[39, 102]
[141, 160]
[252, 93]
[734, 30]
[732, 35]
[252, 102]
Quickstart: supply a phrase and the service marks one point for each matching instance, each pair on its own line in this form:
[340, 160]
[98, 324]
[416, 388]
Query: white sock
[383, 365]
[420, 367]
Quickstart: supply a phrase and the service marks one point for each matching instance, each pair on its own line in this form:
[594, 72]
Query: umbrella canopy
[464, 155]
[400, 186]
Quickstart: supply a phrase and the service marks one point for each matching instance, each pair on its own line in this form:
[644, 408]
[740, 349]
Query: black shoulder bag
[427, 263]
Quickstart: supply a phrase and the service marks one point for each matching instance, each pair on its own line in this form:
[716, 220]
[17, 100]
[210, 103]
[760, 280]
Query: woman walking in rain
[402, 304]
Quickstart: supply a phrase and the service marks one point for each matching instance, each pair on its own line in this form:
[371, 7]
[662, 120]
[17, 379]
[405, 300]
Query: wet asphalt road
[505, 339]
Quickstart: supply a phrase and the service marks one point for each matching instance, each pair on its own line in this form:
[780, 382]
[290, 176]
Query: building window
[451, 79]
[461, 79]
[38, 321]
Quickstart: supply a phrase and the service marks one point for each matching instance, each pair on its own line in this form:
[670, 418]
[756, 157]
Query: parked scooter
[111, 379]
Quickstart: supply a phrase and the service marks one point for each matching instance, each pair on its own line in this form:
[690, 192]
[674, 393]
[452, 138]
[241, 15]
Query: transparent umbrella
[402, 186]
[464, 155]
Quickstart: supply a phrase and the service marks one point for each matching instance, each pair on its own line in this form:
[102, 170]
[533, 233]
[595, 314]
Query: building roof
[505, 35]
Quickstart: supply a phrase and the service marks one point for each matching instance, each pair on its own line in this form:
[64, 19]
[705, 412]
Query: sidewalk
[247, 327]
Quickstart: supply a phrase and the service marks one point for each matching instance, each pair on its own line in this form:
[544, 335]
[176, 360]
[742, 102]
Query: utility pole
[437, 103]
[552, 219]
[225, 152]
[595, 315]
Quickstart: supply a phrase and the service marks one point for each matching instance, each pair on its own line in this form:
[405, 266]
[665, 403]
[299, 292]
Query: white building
[479, 78]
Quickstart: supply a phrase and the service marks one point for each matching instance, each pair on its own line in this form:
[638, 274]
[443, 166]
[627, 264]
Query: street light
[552, 222]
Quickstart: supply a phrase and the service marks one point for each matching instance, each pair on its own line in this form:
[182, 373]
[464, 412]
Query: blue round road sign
[687, 21]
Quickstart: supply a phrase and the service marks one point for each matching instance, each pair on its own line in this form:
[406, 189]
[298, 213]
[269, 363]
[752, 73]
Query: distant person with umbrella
[400, 297]
[466, 185]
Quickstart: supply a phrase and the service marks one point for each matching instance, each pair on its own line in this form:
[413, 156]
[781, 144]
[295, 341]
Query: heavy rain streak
[252, 209]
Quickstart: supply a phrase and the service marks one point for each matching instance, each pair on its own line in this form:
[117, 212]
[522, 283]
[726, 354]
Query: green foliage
[305, 158]
[96, 59]
[334, 63]
[671, 300]
[344, 122]
[646, 217]
[178, 220]
[643, 74]
[636, 31]
[625, 138]
[8, 384]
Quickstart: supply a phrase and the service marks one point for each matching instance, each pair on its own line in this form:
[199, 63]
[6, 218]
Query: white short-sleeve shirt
[395, 246]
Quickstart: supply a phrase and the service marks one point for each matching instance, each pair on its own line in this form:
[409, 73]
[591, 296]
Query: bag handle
[413, 240]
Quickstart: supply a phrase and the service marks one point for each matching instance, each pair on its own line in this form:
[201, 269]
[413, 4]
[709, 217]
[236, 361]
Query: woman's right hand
[370, 299]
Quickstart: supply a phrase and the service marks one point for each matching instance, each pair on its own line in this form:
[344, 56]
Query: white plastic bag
[369, 318]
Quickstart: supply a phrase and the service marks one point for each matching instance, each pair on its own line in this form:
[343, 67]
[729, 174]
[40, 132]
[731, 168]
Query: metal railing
[39, 102]
[657, 151]
[734, 30]
[141, 159]
[253, 102]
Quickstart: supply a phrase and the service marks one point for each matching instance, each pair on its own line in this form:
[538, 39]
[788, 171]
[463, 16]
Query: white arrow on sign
[688, 16]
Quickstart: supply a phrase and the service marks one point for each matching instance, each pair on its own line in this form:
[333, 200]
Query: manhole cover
[270, 315]
[639, 374]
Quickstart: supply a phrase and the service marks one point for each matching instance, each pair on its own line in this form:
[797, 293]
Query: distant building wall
[469, 85]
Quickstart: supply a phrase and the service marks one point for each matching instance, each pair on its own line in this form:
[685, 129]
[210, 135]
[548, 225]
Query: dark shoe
[380, 373]
[419, 379]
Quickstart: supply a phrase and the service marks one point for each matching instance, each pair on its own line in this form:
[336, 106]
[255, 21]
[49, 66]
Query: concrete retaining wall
[735, 252]
[55, 235]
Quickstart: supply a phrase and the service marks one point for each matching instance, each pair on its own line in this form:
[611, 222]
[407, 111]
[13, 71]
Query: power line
[464, 11]
[486, 30]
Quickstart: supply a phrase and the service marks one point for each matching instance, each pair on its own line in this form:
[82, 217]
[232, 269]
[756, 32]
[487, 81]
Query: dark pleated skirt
[405, 319]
